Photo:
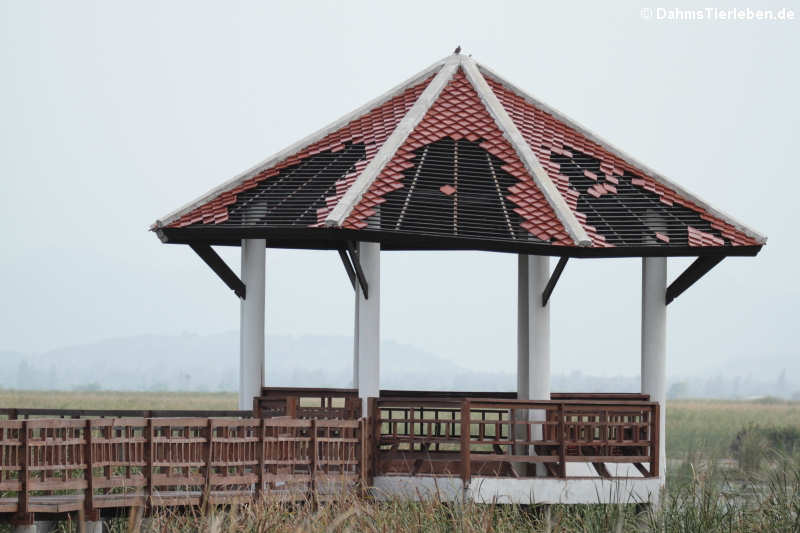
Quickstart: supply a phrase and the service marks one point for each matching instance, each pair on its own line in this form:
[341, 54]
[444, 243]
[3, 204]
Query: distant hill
[210, 363]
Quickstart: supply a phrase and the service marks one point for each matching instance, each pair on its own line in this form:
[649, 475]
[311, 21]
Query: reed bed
[709, 487]
[708, 503]
[117, 400]
[708, 427]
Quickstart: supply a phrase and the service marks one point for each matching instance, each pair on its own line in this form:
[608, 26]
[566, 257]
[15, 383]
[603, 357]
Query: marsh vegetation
[733, 466]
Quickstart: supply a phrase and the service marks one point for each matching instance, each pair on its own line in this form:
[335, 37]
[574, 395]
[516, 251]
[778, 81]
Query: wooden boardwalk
[64, 465]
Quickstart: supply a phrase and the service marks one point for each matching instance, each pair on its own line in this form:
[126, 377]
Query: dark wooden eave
[304, 238]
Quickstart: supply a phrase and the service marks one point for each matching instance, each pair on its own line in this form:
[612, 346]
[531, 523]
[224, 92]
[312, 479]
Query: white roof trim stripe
[298, 146]
[762, 239]
[356, 191]
[526, 155]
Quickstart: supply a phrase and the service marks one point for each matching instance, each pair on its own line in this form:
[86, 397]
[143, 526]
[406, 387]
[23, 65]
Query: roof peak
[432, 92]
[414, 115]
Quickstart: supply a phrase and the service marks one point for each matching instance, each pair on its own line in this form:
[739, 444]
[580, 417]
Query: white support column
[533, 335]
[366, 340]
[533, 329]
[654, 343]
[251, 331]
[539, 334]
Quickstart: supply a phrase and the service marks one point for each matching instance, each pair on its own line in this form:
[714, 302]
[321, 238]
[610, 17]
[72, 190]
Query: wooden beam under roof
[218, 265]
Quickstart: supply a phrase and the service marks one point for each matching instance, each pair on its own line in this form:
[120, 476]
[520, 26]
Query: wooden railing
[301, 402]
[63, 465]
[15, 413]
[308, 403]
[56, 465]
[426, 436]
[507, 395]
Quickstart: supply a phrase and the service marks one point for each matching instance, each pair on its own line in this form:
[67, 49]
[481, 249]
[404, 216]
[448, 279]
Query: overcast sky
[112, 115]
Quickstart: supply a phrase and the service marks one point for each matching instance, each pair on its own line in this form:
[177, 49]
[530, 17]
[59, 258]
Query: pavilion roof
[458, 158]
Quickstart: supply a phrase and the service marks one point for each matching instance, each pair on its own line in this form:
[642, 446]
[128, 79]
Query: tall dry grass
[708, 427]
[705, 493]
[707, 503]
[117, 400]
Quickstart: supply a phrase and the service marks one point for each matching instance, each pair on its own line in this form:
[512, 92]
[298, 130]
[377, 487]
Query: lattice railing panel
[425, 435]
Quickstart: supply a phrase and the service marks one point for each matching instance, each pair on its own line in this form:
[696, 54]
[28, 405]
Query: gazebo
[458, 158]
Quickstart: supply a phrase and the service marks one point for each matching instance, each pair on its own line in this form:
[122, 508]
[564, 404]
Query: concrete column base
[45, 526]
[138, 522]
[93, 526]
[25, 528]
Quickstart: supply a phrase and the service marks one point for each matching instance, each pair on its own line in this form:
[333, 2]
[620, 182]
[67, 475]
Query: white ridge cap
[361, 185]
[526, 155]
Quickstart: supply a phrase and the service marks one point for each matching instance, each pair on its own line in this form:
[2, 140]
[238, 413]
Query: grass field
[118, 400]
[708, 427]
[707, 499]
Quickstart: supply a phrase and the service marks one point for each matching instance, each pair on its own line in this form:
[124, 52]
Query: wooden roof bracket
[352, 265]
[220, 268]
[348, 266]
[693, 272]
[551, 284]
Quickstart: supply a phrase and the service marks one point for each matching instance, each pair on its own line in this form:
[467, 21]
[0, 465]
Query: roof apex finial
[457, 50]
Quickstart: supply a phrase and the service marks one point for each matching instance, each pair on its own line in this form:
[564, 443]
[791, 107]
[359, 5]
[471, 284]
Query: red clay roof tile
[372, 128]
[474, 119]
[529, 118]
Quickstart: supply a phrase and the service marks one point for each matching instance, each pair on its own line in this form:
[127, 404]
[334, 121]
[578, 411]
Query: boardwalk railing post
[362, 453]
[466, 460]
[149, 453]
[291, 406]
[206, 496]
[562, 441]
[23, 500]
[260, 455]
[374, 438]
[89, 497]
[655, 439]
[312, 455]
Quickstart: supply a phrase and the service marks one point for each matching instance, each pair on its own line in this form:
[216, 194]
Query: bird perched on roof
[458, 49]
